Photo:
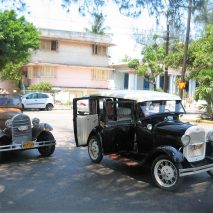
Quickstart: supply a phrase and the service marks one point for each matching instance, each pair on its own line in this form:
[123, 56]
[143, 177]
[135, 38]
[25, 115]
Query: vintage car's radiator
[21, 128]
[196, 149]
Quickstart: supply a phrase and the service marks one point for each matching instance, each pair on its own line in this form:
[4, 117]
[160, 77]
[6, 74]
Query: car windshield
[10, 101]
[157, 107]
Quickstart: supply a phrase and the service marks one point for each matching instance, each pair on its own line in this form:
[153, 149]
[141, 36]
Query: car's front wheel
[46, 151]
[165, 173]
[49, 107]
[95, 149]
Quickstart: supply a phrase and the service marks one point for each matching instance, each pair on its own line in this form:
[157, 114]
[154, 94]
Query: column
[131, 81]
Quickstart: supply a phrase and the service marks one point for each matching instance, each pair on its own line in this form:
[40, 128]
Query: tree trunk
[165, 82]
[155, 87]
[183, 73]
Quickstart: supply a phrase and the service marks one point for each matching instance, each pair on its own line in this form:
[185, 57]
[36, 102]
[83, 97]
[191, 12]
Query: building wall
[73, 77]
[70, 53]
[137, 82]
[10, 86]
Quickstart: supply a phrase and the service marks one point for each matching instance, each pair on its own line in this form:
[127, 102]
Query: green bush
[43, 86]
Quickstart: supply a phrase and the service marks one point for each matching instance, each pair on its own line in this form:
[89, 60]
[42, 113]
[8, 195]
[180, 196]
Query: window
[100, 75]
[42, 72]
[51, 45]
[40, 95]
[99, 50]
[124, 111]
[32, 96]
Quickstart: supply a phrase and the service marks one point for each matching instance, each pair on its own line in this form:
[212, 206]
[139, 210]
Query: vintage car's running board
[125, 160]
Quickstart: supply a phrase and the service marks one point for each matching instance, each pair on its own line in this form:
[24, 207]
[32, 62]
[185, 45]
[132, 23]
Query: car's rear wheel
[95, 149]
[165, 173]
[46, 151]
[49, 107]
[210, 172]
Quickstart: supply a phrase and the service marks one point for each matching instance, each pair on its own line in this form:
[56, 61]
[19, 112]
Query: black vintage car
[18, 132]
[144, 127]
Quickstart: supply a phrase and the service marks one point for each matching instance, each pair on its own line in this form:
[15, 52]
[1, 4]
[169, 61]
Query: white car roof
[137, 95]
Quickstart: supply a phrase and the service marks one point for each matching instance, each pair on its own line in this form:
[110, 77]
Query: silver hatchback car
[38, 100]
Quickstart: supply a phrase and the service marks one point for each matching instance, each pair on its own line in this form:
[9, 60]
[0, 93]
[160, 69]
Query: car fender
[4, 139]
[36, 130]
[2, 134]
[170, 151]
[96, 131]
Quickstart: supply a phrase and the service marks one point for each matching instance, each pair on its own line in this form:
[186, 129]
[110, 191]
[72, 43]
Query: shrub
[43, 86]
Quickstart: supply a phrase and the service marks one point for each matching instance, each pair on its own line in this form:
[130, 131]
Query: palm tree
[97, 26]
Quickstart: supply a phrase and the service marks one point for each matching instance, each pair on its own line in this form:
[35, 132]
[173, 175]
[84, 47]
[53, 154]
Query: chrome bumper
[36, 144]
[196, 170]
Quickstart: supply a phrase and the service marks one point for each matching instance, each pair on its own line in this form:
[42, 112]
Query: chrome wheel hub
[93, 149]
[165, 173]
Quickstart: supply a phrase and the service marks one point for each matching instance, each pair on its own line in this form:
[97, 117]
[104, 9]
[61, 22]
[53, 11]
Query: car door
[42, 100]
[119, 126]
[31, 101]
[85, 119]
[145, 126]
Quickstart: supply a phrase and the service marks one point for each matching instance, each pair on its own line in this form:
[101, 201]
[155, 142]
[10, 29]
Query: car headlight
[210, 136]
[9, 123]
[185, 139]
[35, 122]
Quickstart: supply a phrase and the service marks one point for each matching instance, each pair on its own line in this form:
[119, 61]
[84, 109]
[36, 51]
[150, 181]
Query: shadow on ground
[68, 181]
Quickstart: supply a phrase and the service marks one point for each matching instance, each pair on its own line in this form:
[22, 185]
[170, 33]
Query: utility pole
[183, 73]
[165, 82]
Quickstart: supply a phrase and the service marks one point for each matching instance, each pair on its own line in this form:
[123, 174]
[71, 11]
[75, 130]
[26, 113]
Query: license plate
[196, 150]
[194, 147]
[28, 144]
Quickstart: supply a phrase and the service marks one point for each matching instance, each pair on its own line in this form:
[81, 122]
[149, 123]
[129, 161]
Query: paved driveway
[69, 182]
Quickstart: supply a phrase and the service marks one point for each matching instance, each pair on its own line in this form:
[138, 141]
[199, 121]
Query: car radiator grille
[21, 128]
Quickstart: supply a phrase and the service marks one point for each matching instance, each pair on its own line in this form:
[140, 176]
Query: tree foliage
[200, 63]
[42, 86]
[17, 40]
[200, 55]
[204, 15]
[151, 66]
[97, 26]
[18, 5]
[205, 90]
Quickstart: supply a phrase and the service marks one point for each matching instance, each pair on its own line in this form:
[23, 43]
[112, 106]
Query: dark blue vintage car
[19, 132]
[143, 127]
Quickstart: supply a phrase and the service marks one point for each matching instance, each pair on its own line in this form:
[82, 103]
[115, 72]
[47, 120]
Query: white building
[126, 78]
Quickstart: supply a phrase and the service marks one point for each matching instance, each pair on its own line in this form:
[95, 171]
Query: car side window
[118, 110]
[110, 109]
[93, 107]
[124, 111]
[33, 96]
[42, 96]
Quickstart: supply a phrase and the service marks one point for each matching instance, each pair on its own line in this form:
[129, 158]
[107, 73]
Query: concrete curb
[197, 121]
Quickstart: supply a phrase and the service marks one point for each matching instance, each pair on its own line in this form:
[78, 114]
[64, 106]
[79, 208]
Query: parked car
[38, 100]
[19, 132]
[144, 127]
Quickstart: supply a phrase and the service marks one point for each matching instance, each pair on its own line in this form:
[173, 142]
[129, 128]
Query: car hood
[177, 128]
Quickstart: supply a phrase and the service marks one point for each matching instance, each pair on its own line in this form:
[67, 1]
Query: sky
[50, 14]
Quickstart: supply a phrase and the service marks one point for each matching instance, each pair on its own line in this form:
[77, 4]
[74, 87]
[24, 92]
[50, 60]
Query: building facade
[126, 78]
[71, 61]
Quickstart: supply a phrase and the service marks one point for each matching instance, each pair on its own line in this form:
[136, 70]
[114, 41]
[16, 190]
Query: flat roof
[137, 95]
[84, 37]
